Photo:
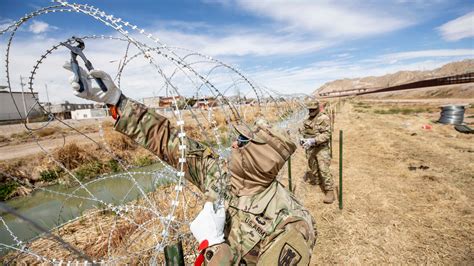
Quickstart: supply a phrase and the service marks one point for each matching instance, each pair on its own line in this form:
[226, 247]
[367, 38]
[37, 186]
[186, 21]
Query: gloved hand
[308, 143]
[209, 225]
[302, 141]
[111, 96]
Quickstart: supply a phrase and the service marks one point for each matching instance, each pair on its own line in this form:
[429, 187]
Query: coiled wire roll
[452, 114]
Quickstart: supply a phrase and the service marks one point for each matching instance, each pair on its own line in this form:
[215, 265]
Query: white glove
[111, 96]
[209, 225]
[308, 143]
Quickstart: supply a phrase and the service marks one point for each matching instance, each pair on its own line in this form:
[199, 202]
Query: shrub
[7, 190]
[50, 174]
[47, 131]
[113, 165]
[72, 156]
[89, 170]
[143, 160]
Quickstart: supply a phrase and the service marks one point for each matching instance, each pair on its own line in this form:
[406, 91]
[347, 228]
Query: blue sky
[292, 46]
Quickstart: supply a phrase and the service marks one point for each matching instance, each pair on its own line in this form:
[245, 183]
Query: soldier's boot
[329, 196]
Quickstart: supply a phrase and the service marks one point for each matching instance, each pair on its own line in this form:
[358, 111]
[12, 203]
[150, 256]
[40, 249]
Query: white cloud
[39, 27]
[242, 43]
[4, 23]
[460, 28]
[328, 18]
[394, 57]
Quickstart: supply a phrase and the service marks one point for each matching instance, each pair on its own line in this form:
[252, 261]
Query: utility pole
[23, 96]
[47, 97]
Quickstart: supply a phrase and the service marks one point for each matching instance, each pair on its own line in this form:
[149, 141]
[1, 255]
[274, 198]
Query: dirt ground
[393, 215]
[9, 152]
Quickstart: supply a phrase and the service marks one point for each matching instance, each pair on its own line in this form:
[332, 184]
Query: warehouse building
[25, 104]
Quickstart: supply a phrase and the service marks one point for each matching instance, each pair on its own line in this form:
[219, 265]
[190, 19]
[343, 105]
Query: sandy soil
[393, 215]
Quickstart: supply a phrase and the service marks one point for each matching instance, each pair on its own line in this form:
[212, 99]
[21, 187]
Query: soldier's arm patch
[289, 256]
[288, 248]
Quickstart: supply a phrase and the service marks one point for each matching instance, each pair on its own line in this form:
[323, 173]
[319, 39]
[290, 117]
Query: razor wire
[164, 224]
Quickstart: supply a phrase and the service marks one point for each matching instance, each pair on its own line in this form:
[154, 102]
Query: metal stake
[340, 169]
[289, 175]
[174, 254]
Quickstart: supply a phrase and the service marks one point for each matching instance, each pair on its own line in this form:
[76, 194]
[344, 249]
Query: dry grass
[4, 139]
[103, 234]
[48, 131]
[393, 215]
[72, 156]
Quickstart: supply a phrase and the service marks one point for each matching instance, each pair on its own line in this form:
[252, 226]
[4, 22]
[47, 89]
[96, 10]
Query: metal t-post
[289, 175]
[174, 254]
[340, 169]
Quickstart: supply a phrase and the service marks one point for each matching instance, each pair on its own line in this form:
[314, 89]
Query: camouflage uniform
[319, 156]
[265, 225]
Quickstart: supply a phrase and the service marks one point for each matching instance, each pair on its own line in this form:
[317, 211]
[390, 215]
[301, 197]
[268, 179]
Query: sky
[288, 46]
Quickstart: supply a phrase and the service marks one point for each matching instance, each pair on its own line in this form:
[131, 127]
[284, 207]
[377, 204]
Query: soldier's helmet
[312, 105]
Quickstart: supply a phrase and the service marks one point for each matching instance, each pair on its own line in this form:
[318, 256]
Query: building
[17, 105]
[63, 110]
[152, 102]
[205, 103]
[163, 102]
[88, 113]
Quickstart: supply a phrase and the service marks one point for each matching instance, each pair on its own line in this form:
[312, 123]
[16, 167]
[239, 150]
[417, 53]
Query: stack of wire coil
[452, 114]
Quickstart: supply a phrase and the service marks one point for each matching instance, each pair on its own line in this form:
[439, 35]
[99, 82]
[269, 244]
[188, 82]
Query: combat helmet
[313, 105]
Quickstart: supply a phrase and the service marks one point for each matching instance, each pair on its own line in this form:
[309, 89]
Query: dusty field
[393, 215]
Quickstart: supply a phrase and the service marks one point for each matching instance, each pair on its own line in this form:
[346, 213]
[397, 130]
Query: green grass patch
[89, 170]
[362, 105]
[7, 189]
[114, 166]
[144, 160]
[403, 111]
[50, 174]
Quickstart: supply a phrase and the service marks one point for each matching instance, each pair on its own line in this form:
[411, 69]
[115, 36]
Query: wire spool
[452, 114]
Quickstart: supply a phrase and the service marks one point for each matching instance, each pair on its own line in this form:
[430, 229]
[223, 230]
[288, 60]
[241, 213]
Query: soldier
[262, 222]
[316, 133]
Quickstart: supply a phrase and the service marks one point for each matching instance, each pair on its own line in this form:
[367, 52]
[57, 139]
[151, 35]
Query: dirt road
[25, 149]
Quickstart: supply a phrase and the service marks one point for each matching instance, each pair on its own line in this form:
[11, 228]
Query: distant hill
[402, 77]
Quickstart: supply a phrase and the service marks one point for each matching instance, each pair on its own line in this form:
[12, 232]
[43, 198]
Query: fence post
[290, 186]
[174, 254]
[340, 169]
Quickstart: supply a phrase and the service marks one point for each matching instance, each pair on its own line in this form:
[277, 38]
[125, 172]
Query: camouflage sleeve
[323, 129]
[155, 133]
